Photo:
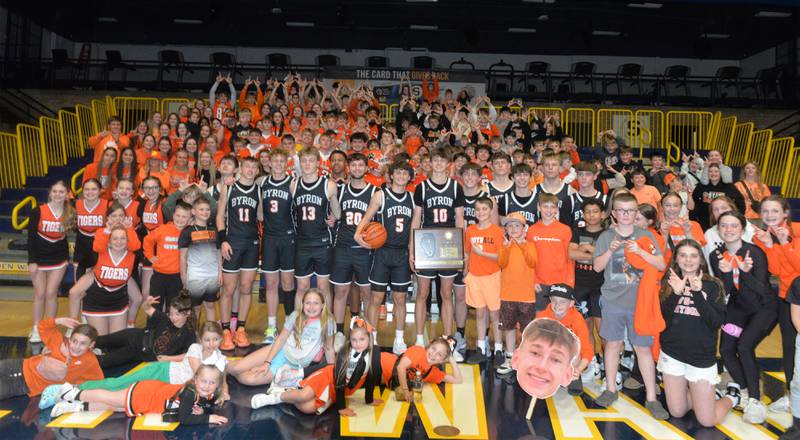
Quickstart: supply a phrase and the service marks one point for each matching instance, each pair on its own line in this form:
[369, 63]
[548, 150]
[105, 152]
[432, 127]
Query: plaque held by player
[438, 249]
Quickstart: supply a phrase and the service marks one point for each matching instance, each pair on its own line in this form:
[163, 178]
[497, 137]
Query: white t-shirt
[311, 340]
[181, 372]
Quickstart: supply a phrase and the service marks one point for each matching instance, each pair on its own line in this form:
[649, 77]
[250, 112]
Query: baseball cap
[514, 217]
[562, 290]
[669, 178]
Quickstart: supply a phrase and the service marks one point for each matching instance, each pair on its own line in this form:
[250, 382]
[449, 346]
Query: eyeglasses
[630, 211]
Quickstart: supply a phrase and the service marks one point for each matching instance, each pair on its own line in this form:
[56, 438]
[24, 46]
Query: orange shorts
[321, 381]
[483, 291]
[148, 396]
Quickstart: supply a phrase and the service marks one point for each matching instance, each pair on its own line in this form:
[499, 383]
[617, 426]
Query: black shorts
[543, 297]
[83, 254]
[141, 260]
[166, 287]
[312, 260]
[431, 274]
[348, 262]
[277, 254]
[514, 313]
[244, 256]
[587, 301]
[101, 302]
[459, 280]
[390, 268]
[51, 256]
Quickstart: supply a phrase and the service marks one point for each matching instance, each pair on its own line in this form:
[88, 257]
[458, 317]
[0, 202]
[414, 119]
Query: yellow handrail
[77, 189]
[672, 146]
[15, 213]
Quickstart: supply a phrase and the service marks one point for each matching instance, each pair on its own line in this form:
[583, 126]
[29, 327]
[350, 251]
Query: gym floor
[484, 406]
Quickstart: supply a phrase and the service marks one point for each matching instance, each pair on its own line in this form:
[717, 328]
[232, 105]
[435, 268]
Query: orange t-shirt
[100, 143]
[104, 175]
[648, 194]
[517, 263]
[419, 362]
[80, 369]
[176, 177]
[784, 259]
[758, 191]
[489, 239]
[551, 243]
[574, 321]
[677, 233]
[163, 242]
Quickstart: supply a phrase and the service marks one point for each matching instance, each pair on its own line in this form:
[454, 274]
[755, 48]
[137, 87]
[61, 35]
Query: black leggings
[788, 335]
[122, 347]
[739, 354]
[12, 381]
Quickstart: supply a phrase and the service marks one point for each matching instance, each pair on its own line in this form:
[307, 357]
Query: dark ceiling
[675, 29]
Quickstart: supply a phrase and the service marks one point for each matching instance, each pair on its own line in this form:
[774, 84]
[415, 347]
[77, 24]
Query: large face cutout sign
[545, 359]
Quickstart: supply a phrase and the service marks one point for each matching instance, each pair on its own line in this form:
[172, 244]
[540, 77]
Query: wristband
[222, 236]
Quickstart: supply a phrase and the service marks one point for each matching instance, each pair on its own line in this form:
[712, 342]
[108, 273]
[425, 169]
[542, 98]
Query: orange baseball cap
[514, 217]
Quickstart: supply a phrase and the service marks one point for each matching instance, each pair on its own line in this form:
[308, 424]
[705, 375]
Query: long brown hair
[666, 289]
[68, 213]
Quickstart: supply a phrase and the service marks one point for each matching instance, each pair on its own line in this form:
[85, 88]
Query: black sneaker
[793, 433]
[499, 358]
[575, 387]
[477, 358]
[734, 393]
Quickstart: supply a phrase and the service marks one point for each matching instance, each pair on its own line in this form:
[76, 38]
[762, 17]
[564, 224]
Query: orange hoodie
[163, 243]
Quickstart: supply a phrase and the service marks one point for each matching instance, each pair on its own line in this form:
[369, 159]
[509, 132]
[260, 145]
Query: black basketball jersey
[571, 211]
[496, 193]
[469, 208]
[512, 203]
[311, 210]
[396, 214]
[242, 210]
[562, 194]
[277, 207]
[354, 203]
[439, 203]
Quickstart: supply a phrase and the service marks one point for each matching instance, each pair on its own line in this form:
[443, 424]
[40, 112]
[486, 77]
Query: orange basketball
[374, 234]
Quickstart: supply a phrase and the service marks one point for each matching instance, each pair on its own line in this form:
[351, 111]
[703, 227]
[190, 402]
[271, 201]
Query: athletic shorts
[348, 262]
[459, 280]
[450, 273]
[313, 260]
[483, 291]
[83, 253]
[674, 367]
[542, 297]
[166, 287]
[203, 289]
[588, 302]
[390, 268]
[616, 320]
[513, 313]
[244, 256]
[277, 254]
[100, 302]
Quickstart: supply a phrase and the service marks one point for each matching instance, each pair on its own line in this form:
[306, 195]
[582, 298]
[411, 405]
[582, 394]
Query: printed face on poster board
[545, 359]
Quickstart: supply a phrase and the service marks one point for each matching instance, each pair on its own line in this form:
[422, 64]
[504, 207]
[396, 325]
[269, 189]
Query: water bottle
[416, 386]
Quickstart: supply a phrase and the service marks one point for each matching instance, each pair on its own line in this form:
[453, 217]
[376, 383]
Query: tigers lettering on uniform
[114, 273]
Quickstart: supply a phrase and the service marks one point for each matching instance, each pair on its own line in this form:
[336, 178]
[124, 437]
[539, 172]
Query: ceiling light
[773, 14]
[187, 21]
[715, 36]
[646, 5]
[107, 19]
[519, 30]
[299, 24]
[607, 33]
[423, 27]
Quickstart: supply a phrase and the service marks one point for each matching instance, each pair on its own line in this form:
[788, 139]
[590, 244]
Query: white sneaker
[66, 407]
[68, 392]
[461, 343]
[505, 367]
[399, 346]
[589, 372]
[338, 341]
[33, 337]
[781, 405]
[755, 413]
[743, 401]
[261, 400]
[458, 357]
[269, 335]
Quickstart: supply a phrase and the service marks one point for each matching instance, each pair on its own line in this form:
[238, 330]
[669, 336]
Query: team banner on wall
[386, 81]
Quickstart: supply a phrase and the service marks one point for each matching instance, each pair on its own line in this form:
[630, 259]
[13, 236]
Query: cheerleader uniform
[88, 221]
[152, 396]
[47, 242]
[108, 295]
[328, 391]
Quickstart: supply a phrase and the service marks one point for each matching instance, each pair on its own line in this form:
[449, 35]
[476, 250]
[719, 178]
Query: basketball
[374, 234]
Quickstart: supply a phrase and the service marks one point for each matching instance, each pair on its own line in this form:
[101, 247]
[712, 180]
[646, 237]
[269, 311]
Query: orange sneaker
[382, 312]
[241, 338]
[227, 341]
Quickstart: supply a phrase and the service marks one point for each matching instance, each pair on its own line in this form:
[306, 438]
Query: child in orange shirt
[161, 248]
[551, 238]
[562, 309]
[71, 360]
[645, 193]
[517, 260]
[482, 277]
[424, 360]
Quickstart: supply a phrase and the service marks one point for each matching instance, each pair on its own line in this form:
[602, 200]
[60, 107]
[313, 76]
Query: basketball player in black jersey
[390, 267]
[349, 258]
[521, 198]
[438, 203]
[237, 224]
[473, 189]
[278, 239]
[501, 183]
[572, 208]
[316, 211]
[552, 183]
